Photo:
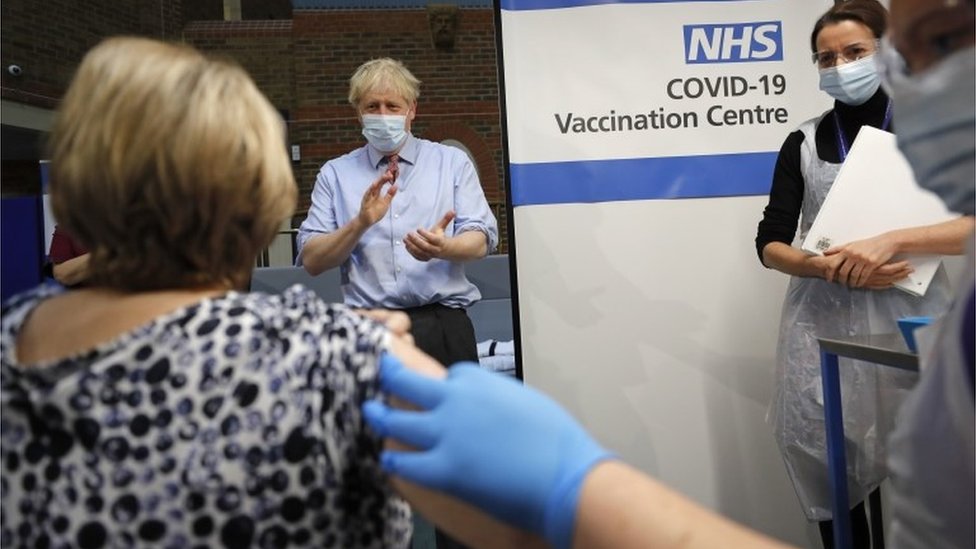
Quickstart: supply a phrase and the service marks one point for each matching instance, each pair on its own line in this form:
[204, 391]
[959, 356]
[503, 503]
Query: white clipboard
[875, 192]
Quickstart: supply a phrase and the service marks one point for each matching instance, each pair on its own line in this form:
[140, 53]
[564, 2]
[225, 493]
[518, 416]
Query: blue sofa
[492, 316]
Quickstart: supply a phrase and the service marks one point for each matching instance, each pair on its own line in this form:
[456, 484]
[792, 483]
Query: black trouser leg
[861, 536]
[443, 333]
[877, 521]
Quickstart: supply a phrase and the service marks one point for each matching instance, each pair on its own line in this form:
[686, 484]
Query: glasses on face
[858, 50]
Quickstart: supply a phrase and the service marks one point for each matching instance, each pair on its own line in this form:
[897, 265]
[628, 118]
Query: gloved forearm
[491, 441]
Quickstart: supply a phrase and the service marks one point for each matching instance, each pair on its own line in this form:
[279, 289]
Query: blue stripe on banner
[642, 178]
[519, 5]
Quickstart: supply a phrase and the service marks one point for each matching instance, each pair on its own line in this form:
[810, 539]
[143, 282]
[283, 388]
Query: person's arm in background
[475, 227]
[793, 261]
[516, 454]
[778, 227]
[69, 259]
[325, 248]
[424, 244]
[861, 258]
[73, 271]
[782, 214]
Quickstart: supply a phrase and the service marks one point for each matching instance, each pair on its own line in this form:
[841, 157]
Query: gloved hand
[490, 441]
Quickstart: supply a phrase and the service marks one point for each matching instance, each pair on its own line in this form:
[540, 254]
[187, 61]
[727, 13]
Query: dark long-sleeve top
[782, 213]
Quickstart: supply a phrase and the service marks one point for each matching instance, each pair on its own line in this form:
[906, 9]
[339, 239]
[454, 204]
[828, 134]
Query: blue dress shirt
[433, 180]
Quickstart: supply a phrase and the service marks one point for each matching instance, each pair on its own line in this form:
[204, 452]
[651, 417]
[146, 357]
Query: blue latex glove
[490, 441]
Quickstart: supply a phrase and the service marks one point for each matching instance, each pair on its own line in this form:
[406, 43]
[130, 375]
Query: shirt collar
[408, 152]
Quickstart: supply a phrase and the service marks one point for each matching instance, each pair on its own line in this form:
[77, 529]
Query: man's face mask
[385, 132]
[934, 118]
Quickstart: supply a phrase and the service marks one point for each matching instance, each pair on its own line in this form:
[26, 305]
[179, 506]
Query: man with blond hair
[400, 216]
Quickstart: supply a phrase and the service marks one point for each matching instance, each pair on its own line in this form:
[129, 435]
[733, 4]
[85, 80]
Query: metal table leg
[836, 455]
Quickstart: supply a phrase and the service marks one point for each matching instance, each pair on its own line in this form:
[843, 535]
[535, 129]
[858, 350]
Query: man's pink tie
[393, 165]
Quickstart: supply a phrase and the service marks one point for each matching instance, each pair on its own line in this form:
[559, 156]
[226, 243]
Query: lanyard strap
[839, 133]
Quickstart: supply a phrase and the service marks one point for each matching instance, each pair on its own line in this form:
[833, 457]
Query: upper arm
[325, 362]
[469, 525]
[415, 359]
[782, 212]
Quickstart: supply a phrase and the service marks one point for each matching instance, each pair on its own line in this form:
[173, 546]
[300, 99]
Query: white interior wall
[654, 323]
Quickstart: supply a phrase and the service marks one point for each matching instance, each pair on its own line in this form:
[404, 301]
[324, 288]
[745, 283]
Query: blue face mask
[385, 132]
[934, 114]
[851, 83]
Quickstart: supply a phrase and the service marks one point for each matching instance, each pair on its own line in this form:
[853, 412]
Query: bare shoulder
[415, 359]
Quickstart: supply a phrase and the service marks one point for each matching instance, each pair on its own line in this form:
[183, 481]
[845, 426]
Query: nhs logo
[734, 42]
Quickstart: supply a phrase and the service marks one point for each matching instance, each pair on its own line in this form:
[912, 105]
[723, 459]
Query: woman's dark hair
[869, 13]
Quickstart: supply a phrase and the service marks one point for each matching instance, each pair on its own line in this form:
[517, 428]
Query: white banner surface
[655, 99]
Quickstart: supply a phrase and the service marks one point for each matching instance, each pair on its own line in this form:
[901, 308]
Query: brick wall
[459, 91]
[263, 48]
[48, 38]
[303, 65]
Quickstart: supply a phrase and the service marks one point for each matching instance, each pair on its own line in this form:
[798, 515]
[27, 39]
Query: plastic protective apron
[870, 393]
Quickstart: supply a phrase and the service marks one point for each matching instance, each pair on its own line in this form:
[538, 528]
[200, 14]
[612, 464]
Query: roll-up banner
[655, 99]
